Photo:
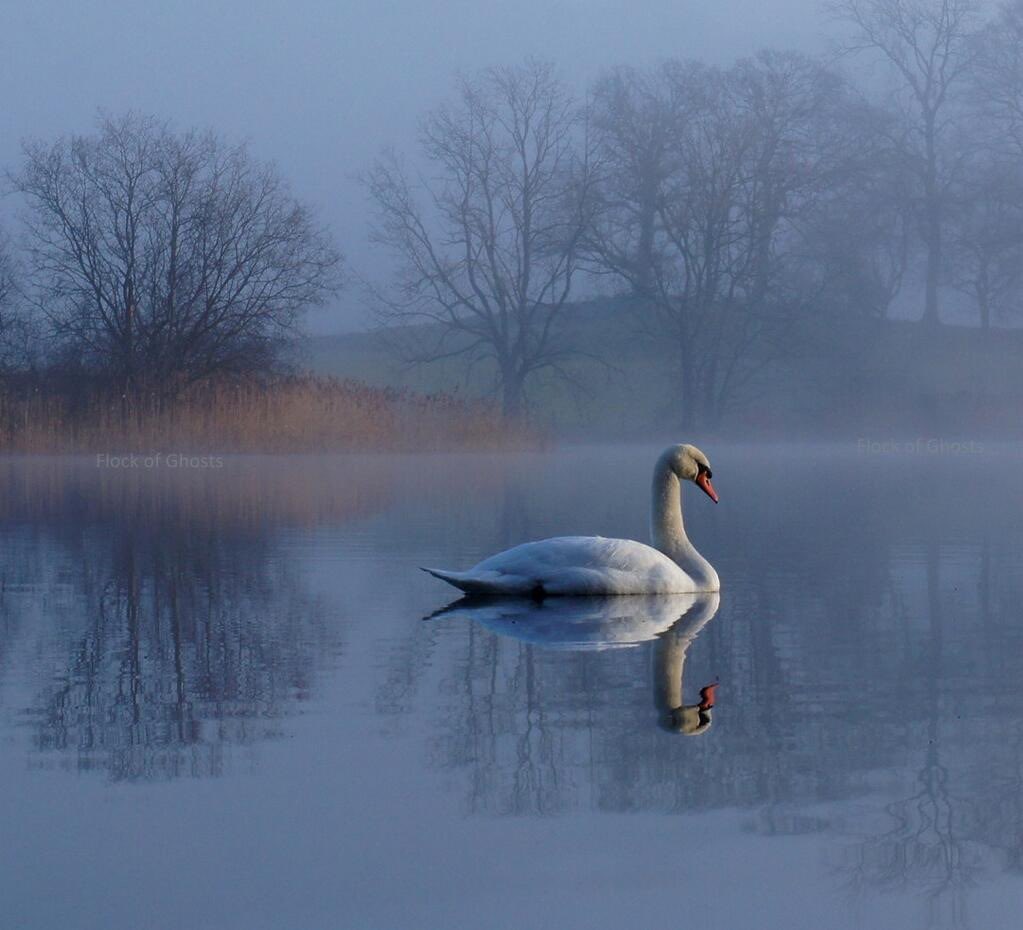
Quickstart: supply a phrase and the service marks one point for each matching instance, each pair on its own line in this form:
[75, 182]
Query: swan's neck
[668, 531]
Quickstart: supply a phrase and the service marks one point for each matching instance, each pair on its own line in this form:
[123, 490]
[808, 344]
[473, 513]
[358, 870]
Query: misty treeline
[154, 299]
[151, 260]
[743, 215]
[742, 218]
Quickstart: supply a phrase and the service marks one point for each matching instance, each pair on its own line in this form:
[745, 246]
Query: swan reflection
[576, 624]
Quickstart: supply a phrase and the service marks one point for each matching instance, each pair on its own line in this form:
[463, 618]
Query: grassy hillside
[617, 385]
[896, 377]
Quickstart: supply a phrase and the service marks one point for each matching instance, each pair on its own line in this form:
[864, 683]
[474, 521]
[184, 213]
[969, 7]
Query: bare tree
[6, 274]
[162, 258]
[858, 233]
[986, 235]
[487, 239]
[859, 241]
[17, 334]
[6, 289]
[636, 116]
[997, 79]
[986, 209]
[929, 45]
[730, 161]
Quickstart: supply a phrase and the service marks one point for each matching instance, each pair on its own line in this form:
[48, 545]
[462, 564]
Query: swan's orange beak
[707, 695]
[703, 482]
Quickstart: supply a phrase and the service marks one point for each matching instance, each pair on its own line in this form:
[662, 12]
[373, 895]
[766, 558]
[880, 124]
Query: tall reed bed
[279, 415]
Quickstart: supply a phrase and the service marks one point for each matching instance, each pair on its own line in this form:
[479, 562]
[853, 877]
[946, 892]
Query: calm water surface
[221, 706]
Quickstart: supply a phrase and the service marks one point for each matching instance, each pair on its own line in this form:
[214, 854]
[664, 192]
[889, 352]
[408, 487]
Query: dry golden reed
[280, 415]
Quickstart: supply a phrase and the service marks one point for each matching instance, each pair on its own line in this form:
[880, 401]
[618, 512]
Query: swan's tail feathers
[459, 579]
[480, 582]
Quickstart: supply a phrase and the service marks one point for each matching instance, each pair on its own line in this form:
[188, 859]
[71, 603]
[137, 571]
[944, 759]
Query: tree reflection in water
[173, 634]
[958, 810]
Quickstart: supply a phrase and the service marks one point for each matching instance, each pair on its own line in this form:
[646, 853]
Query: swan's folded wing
[584, 565]
[476, 581]
[598, 553]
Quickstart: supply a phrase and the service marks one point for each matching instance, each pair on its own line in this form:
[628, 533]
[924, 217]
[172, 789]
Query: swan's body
[574, 565]
[593, 565]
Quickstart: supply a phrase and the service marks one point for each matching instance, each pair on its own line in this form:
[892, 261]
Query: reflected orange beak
[703, 482]
[707, 696]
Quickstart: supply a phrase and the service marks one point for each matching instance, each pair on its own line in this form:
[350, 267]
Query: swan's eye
[704, 470]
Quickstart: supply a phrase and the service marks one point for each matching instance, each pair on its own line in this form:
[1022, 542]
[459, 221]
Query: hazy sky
[321, 87]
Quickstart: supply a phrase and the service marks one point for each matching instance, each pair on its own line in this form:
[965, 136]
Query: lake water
[221, 706]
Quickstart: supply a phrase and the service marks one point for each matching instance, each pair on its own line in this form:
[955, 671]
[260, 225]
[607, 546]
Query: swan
[593, 565]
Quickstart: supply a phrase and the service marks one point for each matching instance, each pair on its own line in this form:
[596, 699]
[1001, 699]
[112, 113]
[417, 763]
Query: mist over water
[221, 705]
[320, 93]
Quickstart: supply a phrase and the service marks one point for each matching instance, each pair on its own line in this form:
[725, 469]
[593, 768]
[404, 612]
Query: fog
[299, 299]
[802, 218]
[320, 88]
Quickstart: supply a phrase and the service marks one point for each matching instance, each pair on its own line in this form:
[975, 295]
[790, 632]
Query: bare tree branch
[488, 242]
[707, 176]
[161, 258]
[931, 47]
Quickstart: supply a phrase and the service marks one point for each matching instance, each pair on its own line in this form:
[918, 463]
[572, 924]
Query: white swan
[589, 565]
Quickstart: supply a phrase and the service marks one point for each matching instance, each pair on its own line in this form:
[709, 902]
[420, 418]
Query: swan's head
[692, 719]
[690, 464]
